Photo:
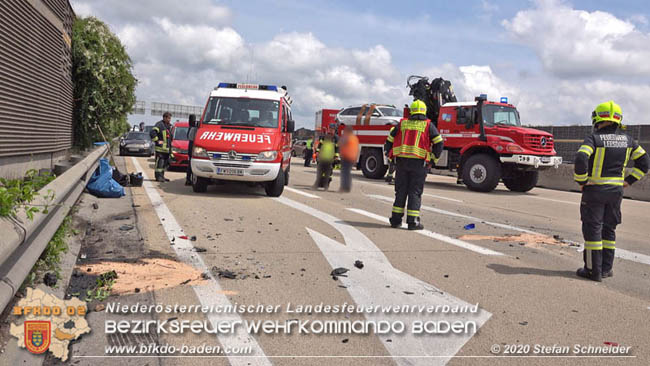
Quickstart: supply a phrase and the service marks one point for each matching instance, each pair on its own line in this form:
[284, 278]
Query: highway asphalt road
[526, 289]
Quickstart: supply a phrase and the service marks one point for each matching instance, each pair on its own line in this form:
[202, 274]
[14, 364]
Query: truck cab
[485, 142]
[244, 135]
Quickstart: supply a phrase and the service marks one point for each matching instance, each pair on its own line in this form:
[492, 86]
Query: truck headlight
[147, 144]
[199, 152]
[176, 150]
[267, 155]
[122, 143]
[514, 148]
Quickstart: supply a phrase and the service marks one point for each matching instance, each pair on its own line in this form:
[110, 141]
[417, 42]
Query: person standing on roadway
[599, 168]
[309, 151]
[411, 144]
[349, 148]
[325, 161]
[161, 136]
[191, 135]
[390, 176]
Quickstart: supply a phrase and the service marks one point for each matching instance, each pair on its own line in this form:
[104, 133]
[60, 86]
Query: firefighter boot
[395, 220]
[414, 223]
[608, 263]
[593, 265]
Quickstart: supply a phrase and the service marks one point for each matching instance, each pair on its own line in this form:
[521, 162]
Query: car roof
[368, 104]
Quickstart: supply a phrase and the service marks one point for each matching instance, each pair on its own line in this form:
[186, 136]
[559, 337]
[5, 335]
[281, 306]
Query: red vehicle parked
[180, 144]
[245, 136]
[484, 142]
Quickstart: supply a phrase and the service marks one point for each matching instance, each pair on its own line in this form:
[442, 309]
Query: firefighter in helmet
[600, 170]
[161, 136]
[414, 143]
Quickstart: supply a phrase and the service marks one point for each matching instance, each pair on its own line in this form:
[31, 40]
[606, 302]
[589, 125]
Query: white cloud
[577, 43]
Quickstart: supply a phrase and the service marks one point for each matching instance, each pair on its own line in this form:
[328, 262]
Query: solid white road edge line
[368, 286]
[449, 240]
[210, 294]
[301, 192]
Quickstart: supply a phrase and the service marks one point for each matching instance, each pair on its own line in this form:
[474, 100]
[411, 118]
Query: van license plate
[230, 171]
[546, 159]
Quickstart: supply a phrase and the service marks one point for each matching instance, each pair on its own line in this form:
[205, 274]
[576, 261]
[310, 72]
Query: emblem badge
[232, 155]
[37, 335]
[543, 142]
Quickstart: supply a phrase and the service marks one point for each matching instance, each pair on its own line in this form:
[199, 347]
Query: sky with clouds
[554, 59]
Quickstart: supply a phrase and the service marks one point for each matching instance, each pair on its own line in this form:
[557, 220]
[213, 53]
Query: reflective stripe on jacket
[603, 156]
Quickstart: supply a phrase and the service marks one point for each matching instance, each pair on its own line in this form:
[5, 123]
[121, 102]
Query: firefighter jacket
[603, 156]
[161, 136]
[413, 138]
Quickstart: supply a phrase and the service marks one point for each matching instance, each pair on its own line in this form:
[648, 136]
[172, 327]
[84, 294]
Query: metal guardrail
[23, 241]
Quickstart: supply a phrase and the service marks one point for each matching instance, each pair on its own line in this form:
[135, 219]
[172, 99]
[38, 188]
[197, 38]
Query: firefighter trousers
[600, 212]
[410, 175]
[162, 161]
[323, 174]
[188, 172]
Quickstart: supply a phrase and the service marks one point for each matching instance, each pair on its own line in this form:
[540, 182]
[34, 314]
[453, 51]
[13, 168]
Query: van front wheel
[275, 187]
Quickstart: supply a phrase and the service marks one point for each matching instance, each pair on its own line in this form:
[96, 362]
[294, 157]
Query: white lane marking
[431, 234]
[441, 197]
[301, 192]
[210, 294]
[368, 288]
[620, 253]
[449, 213]
[552, 200]
[632, 256]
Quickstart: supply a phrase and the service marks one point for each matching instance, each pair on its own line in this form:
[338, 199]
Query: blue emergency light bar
[247, 86]
[483, 96]
[504, 100]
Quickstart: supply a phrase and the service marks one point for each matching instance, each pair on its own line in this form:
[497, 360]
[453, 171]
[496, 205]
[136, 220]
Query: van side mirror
[291, 125]
[192, 120]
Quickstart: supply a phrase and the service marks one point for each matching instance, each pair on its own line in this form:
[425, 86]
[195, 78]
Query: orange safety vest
[350, 147]
[412, 139]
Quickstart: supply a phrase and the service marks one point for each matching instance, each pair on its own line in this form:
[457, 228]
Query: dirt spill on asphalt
[526, 239]
[147, 274]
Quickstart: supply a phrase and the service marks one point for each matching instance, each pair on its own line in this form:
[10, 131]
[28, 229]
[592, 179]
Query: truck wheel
[275, 187]
[199, 184]
[286, 176]
[522, 181]
[372, 164]
[481, 173]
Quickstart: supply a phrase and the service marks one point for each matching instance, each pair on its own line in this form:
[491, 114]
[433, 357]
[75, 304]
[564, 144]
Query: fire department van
[244, 135]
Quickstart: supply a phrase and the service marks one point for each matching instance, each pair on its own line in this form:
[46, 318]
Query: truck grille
[231, 156]
[540, 143]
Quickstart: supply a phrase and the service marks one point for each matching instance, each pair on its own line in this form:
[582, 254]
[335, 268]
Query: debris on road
[339, 271]
[199, 249]
[118, 218]
[95, 206]
[183, 237]
[50, 279]
[126, 227]
[408, 292]
[358, 264]
[224, 273]
[99, 307]
[147, 273]
[345, 340]
[523, 323]
[522, 239]
[193, 238]
[469, 226]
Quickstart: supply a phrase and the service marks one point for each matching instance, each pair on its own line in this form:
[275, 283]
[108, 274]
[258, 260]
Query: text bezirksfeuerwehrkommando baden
[289, 308]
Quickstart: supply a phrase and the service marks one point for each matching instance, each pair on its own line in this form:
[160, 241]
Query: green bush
[16, 194]
[104, 85]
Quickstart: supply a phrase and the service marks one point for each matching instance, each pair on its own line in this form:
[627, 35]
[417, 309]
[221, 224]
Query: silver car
[370, 114]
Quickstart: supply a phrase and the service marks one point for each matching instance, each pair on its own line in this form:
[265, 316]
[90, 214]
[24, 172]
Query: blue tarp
[102, 184]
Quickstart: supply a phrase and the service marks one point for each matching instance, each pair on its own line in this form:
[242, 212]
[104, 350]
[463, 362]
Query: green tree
[104, 85]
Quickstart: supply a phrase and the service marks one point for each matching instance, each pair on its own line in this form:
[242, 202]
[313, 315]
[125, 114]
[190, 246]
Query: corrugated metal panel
[36, 90]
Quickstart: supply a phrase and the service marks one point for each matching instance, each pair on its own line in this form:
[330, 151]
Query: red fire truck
[484, 143]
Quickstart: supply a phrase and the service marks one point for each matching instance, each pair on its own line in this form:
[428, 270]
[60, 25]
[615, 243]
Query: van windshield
[242, 112]
[500, 115]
